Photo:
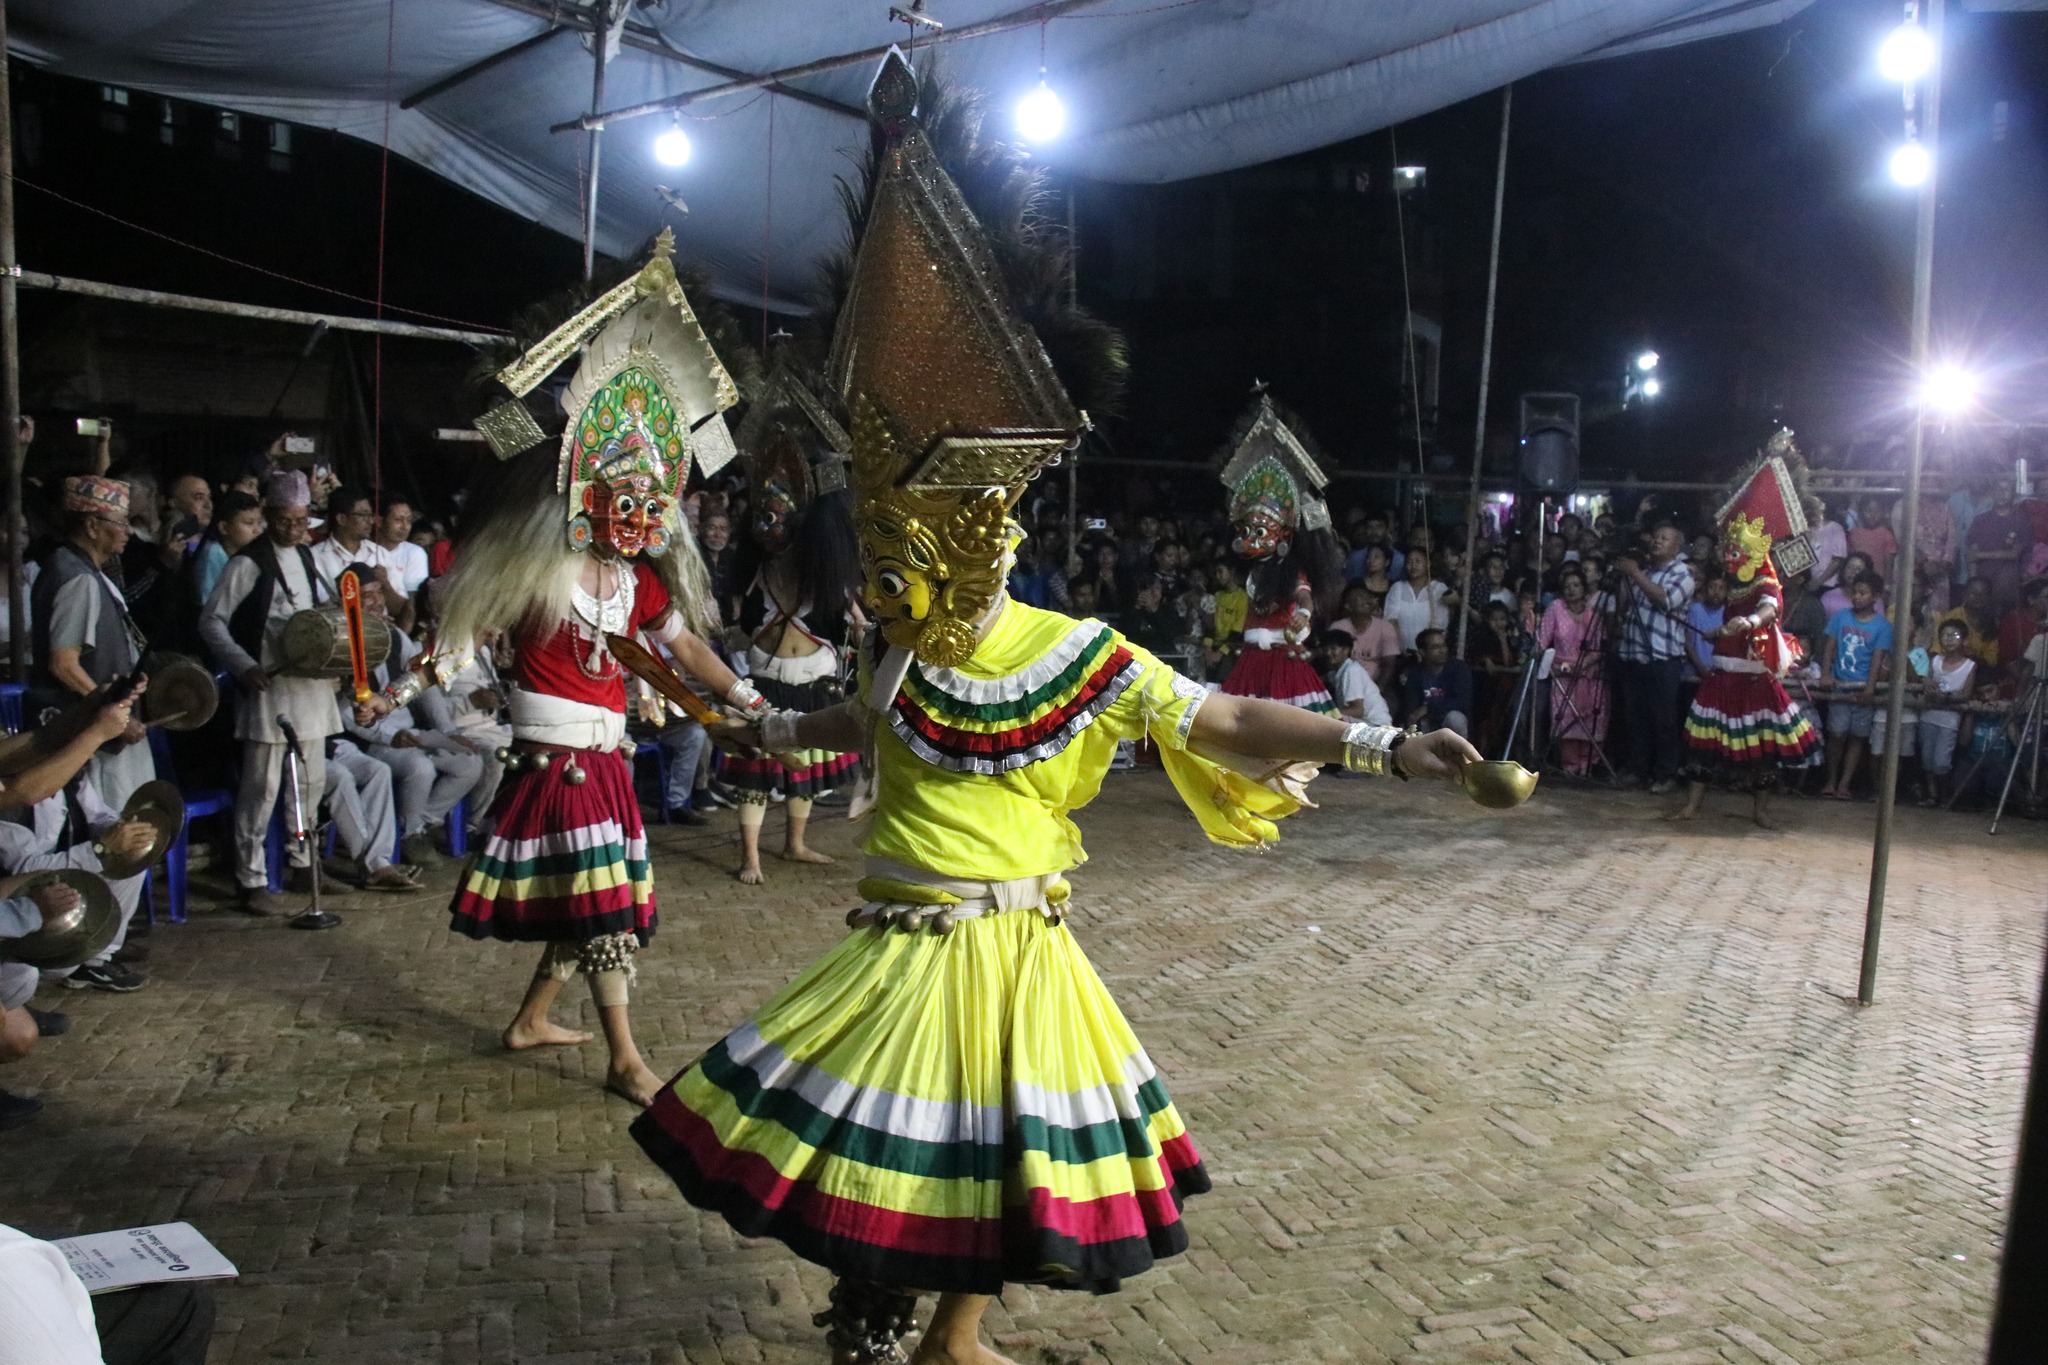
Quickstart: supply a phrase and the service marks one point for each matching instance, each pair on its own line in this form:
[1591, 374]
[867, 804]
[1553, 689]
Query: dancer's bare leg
[793, 847]
[752, 814]
[531, 1027]
[1760, 809]
[1695, 793]
[953, 1337]
[628, 1075]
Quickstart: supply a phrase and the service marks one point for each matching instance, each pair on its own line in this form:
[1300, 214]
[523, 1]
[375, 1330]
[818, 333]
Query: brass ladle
[1498, 785]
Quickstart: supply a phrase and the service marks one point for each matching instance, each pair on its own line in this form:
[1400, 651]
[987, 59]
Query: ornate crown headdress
[1267, 463]
[646, 398]
[955, 404]
[1765, 517]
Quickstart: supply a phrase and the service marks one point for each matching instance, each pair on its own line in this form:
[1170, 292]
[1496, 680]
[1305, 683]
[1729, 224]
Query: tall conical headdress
[1268, 464]
[1765, 517]
[645, 400]
[955, 404]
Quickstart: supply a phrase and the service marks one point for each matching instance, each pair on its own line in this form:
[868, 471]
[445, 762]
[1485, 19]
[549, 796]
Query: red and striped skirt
[1279, 675]
[1743, 730]
[813, 772]
[565, 861]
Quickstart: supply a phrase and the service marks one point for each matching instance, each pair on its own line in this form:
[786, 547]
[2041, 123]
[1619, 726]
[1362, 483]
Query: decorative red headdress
[1765, 519]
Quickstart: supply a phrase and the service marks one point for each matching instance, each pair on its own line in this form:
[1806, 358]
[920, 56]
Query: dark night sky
[1724, 202]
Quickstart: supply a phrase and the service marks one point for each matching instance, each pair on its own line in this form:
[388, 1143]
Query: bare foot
[1682, 813]
[639, 1085]
[750, 875]
[933, 1353]
[1763, 821]
[806, 855]
[547, 1033]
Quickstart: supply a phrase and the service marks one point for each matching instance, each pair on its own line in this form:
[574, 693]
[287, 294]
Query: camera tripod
[2030, 711]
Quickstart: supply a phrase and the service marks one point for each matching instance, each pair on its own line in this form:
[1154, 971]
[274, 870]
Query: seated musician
[72, 829]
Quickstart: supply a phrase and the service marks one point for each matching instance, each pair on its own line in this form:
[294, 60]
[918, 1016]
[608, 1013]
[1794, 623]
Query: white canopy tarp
[1155, 90]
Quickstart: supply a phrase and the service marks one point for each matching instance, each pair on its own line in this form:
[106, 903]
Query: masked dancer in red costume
[1288, 558]
[566, 863]
[1743, 730]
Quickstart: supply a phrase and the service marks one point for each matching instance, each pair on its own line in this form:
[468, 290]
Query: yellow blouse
[979, 768]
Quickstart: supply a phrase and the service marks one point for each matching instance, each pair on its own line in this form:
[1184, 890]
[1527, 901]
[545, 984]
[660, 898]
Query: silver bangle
[745, 695]
[404, 688]
[778, 731]
[1370, 748]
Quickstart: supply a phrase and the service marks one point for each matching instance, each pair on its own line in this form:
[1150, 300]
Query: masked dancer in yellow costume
[950, 1100]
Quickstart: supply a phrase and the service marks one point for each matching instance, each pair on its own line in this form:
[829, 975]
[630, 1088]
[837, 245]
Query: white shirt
[410, 563]
[330, 558]
[1413, 612]
[1349, 683]
[45, 1313]
[1954, 684]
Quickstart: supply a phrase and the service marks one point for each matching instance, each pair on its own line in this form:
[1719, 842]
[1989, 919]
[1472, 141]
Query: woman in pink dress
[1578, 692]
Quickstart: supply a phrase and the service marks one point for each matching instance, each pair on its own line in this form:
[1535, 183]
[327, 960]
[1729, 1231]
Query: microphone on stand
[303, 830]
[291, 736]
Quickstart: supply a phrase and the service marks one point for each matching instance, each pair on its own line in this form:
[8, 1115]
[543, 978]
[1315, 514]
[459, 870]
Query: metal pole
[1902, 604]
[1500, 190]
[156, 298]
[10, 380]
[601, 39]
[1073, 456]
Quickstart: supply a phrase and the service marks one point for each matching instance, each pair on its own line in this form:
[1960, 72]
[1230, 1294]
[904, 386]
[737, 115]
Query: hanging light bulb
[672, 148]
[1911, 164]
[1040, 115]
[1906, 54]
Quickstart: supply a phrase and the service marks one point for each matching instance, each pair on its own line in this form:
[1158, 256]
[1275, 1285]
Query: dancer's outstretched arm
[1269, 729]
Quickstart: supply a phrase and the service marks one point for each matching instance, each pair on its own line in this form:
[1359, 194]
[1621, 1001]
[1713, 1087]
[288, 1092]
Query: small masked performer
[566, 863]
[1743, 730]
[1288, 559]
[795, 615]
[906, 1112]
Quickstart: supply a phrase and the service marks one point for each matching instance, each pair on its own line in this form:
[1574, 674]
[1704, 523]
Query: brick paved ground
[1556, 1086]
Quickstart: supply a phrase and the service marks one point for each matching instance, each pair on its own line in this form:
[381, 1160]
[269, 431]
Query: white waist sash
[976, 897]
[1728, 663]
[1264, 637]
[793, 669]
[542, 718]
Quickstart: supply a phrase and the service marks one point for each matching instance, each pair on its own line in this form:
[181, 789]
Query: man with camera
[1652, 604]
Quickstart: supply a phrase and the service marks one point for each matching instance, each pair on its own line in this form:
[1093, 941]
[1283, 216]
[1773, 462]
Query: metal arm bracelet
[1370, 749]
[746, 696]
[778, 731]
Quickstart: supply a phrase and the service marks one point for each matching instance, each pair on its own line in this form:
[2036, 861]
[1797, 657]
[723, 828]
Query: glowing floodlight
[1647, 361]
[672, 148]
[1911, 165]
[1040, 115]
[1906, 54]
[1652, 387]
[1949, 389]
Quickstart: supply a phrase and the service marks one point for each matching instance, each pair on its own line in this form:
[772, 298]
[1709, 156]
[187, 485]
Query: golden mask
[955, 404]
[1748, 546]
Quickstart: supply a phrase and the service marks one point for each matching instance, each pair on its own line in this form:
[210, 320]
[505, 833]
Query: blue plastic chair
[198, 805]
[10, 706]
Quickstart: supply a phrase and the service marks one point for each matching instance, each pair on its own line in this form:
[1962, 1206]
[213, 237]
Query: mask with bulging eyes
[774, 525]
[624, 518]
[1263, 534]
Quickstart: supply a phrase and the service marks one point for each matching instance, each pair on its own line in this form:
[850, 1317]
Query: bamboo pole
[1902, 604]
[10, 379]
[1500, 190]
[156, 298]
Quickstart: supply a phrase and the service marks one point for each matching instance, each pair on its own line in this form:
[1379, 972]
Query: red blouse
[560, 665]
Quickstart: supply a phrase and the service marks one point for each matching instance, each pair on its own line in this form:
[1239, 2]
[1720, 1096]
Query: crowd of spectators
[1624, 609]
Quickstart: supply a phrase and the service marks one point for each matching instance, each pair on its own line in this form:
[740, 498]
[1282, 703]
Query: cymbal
[181, 694]
[77, 936]
[158, 804]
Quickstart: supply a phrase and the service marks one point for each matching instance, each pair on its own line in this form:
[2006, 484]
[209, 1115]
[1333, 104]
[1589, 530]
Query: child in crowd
[1946, 685]
[1858, 642]
[1349, 681]
[1375, 643]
